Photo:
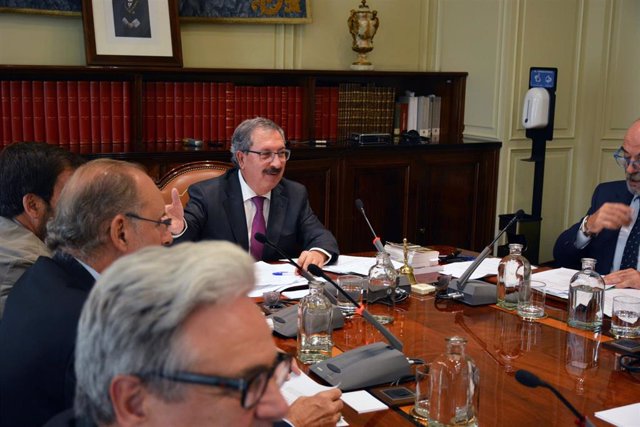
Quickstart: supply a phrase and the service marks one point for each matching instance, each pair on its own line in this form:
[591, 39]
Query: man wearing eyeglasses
[610, 232]
[254, 197]
[106, 210]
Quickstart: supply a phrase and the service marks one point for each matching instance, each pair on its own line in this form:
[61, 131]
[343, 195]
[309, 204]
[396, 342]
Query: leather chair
[183, 176]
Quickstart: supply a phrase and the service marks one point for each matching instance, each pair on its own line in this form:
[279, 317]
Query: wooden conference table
[574, 361]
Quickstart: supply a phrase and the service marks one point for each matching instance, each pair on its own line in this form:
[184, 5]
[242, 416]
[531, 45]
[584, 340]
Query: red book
[37, 89]
[188, 102]
[206, 112]
[94, 107]
[106, 141]
[298, 115]
[197, 110]
[73, 114]
[126, 115]
[268, 109]
[50, 113]
[84, 116]
[161, 135]
[169, 111]
[248, 102]
[178, 110]
[277, 105]
[5, 112]
[213, 101]
[291, 114]
[15, 91]
[317, 114]
[117, 130]
[229, 113]
[333, 114]
[284, 120]
[149, 112]
[237, 105]
[63, 114]
[222, 108]
[27, 111]
[257, 102]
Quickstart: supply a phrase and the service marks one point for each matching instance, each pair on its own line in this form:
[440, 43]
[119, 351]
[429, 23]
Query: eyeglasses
[252, 387]
[624, 161]
[283, 154]
[166, 221]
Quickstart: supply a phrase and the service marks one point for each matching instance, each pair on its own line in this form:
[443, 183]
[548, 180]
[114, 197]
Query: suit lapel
[234, 210]
[277, 214]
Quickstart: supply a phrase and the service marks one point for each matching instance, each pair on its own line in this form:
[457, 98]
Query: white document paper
[613, 292]
[623, 416]
[557, 281]
[487, 267]
[348, 264]
[274, 277]
[362, 402]
[302, 385]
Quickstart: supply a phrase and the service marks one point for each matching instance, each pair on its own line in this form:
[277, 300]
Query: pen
[280, 273]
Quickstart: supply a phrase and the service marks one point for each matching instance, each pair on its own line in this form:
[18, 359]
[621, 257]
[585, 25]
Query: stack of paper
[557, 281]
[348, 264]
[487, 267]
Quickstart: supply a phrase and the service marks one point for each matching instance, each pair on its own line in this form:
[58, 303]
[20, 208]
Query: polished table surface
[501, 343]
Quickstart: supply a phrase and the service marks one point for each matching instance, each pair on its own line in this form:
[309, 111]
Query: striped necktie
[630, 254]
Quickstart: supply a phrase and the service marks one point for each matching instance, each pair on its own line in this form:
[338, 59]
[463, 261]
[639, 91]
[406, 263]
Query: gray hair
[241, 139]
[132, 319]
[95, 193]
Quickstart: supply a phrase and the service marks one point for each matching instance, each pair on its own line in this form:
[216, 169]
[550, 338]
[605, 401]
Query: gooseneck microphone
[529, 379]
[376, 240]
[480, 293]
[263, 239]
[395, 342]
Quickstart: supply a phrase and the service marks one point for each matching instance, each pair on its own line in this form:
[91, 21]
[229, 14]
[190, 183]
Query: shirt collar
[90, 269]
[247, 192]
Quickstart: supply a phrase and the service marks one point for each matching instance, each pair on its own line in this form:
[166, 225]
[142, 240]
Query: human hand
[311, 257]
[175, 211]
[610, 216]
[628, 278]
[322, 409]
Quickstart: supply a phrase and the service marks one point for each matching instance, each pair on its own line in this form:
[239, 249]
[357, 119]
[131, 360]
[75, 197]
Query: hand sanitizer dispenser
[535, 112]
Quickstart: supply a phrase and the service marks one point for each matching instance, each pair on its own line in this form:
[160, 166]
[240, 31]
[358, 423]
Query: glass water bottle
[315, 313]
[586, 297]
[454, 394]
[383, 280]
[514, 272]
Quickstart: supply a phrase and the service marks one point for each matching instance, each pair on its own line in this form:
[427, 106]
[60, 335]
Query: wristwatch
[584, 229]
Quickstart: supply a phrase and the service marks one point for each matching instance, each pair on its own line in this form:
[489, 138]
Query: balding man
[107, 209]
[610, 232]
[32, 174]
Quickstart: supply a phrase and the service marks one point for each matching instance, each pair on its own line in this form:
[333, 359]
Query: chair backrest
[183, 176]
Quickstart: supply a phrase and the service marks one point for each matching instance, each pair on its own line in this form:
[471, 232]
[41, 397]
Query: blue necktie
[630, 254]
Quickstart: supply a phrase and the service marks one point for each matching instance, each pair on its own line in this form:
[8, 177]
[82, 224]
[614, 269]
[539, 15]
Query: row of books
[364, 109]
[210, 111]
[82, 116]
[420, 113]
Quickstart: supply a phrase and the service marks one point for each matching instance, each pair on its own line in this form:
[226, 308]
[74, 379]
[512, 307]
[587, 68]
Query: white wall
[592, 42]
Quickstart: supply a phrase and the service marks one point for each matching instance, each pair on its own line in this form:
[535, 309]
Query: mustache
[635, 177]
[275, 171]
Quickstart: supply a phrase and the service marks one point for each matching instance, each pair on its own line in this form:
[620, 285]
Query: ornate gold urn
[363, 24]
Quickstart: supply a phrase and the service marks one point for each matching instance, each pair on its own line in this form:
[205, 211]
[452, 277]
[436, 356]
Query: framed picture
[132, 32]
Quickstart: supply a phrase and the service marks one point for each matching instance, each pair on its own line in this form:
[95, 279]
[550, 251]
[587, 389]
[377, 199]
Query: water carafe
[315, 339]
[514, 271]
[586, 297]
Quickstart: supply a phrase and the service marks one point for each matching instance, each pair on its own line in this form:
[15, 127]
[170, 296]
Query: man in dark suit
[107, 209]
[607, 233]
[231, 207]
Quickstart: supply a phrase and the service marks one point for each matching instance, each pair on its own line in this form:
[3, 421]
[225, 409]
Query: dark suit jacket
[37, 341]
[601, 247]
[216, 211]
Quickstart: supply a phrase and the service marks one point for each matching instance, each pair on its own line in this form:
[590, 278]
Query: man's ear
[34, 206]
[128, 396]
[240, 159]
[118, 233]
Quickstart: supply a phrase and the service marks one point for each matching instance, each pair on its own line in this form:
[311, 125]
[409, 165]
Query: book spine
[117, 113]
[106, 145]
[242, 111]
[15, 89]
[213, 123]
[161, 135]
[27, 110]
[291, 113]
[284, 120]
[178, 110]
[237, 105]
[126, 115]
[5, 112]
[206, 111]
[188, 110]
[63, 114]
[222, 106]
[84, 117]
[94, 103]
[229, 113]
[325, 113]
[317, 113]
[50, 112]
[169, 112]
[298, 114]
[248, 102]
[333, 113]
[149, 112]
[277, 105]
[74, 116]
[39, 133]
[197, 110]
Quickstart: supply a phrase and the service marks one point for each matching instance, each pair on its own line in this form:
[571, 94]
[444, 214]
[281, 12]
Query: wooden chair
[183, 176]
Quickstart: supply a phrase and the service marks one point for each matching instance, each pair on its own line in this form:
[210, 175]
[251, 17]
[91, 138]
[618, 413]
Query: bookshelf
[96, 110]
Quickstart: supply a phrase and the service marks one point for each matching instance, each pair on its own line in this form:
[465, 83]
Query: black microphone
[376, 240]
[263, 239]
[395, 342]
[483, 293]
[529, 379]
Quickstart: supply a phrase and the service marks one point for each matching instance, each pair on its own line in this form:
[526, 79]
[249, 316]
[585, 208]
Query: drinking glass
[531, 300]
[625, 319]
